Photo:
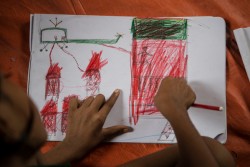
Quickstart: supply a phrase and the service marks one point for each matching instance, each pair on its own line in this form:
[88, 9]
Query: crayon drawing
[167, 134]
[92, 74]
[57, 38]
[81, 56]
[49, 114]
[53, 81]
[158, 50]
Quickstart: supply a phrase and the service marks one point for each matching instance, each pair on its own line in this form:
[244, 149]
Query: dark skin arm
[173, 99]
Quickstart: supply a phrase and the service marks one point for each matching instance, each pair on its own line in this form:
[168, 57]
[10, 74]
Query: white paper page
[242, 36]
[205, 71]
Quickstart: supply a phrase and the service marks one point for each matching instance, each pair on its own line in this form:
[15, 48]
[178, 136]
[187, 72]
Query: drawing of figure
[53, 76]
[92, 74]
[65, 111]
[144, 57]
[48, 114]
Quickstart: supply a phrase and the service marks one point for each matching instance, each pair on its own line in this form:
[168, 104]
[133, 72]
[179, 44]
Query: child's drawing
[157, 48]
[58, 37]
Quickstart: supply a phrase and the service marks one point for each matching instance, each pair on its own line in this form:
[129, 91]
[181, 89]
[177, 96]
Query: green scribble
[151, 28]
[64, 38]
[96, 41]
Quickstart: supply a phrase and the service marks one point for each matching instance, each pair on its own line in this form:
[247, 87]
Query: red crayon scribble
[92, 73]
[48, 114]
[64, 119]
[151, 61]
[117, 48]
[53, 76]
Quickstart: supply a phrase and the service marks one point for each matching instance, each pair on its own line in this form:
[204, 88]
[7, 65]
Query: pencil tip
[221, 108]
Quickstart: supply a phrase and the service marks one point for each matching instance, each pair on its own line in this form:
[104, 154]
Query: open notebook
[79, 56]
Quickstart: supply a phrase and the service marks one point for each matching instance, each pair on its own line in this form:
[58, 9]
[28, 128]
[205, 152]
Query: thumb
[113, 131]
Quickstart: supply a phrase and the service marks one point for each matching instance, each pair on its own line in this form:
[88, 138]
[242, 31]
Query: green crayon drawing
[60, 36]
[165, 28]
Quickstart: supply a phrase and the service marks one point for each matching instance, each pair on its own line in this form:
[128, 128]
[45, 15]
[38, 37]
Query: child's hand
[85, 124]
[174, 97]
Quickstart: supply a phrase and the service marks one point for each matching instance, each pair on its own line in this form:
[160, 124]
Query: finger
[111, 132]
[98, 102]
[109, 104]
[80, 102]
[73, 103]
[87, 102]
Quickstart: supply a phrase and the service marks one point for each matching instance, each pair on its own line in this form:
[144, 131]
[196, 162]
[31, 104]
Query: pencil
[216, 108]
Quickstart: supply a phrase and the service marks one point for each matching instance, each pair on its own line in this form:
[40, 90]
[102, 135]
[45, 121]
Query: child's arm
[173, 99]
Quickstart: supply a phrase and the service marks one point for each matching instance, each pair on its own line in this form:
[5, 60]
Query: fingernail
[129, 129]
[117, 91]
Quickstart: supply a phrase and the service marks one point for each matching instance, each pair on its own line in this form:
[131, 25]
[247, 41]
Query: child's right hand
[174, 97]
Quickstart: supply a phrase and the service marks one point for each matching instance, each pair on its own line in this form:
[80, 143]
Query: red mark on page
[92, 73]
[152, 60]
